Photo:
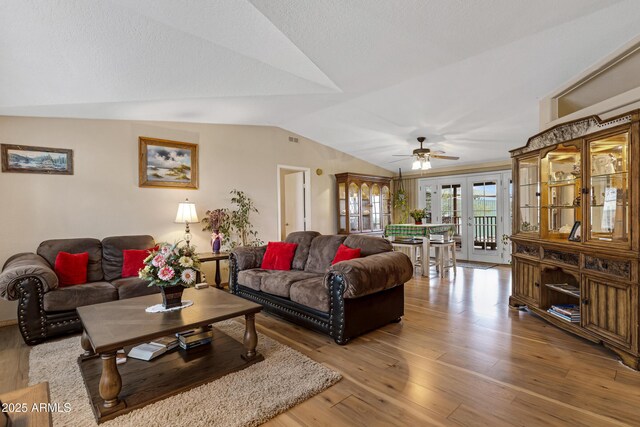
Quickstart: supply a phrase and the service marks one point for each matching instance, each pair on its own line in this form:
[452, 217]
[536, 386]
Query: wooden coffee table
[115, 390]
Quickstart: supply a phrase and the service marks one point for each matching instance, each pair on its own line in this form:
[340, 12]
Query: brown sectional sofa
[343, 300]
[46, 310]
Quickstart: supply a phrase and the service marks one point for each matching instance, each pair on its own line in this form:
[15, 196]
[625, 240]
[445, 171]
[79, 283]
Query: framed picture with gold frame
[168, 164]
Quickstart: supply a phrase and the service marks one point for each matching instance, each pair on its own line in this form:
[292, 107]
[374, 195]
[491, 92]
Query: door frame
[307, 194]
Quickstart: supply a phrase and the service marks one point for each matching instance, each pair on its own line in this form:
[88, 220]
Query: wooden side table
[24, 399]
[209, 256]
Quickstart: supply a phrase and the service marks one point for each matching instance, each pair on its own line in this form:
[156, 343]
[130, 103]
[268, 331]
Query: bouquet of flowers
[171, 265]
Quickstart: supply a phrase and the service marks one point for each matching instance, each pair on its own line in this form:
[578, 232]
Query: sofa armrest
[247, 257]
[22, 266]
[375, 273]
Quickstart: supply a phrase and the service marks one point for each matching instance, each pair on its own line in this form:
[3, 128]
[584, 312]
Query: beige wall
[102, 198]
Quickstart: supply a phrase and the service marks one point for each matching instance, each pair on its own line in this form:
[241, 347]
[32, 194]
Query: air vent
[293, 139]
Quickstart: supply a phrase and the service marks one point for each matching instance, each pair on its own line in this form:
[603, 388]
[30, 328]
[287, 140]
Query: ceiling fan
[423, 156]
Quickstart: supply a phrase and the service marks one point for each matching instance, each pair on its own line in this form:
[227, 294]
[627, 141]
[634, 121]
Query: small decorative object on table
[171, 268]
[216, 221]
[417, 215]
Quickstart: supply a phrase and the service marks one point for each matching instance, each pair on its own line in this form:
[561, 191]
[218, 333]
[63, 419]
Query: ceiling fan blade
[438, 156]
[402, 155]
[399, 160]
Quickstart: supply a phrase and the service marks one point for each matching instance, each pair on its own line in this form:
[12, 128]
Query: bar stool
[443, 247]
[415, 251]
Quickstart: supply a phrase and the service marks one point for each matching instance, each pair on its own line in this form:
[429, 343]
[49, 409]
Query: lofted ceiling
[364, 76]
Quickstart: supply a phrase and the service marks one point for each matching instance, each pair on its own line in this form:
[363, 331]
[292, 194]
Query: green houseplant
[234, 227]
[417, 215]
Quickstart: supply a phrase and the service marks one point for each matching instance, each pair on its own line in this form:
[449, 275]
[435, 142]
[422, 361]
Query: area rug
[478, 265]
[244, 398]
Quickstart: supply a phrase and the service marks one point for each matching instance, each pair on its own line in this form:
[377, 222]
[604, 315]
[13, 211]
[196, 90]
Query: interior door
[294, 216]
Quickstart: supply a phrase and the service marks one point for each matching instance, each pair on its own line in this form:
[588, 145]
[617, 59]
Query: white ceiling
[363, 76]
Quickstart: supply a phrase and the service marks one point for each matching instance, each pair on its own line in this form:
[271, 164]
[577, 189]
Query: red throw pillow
[71, 269]
[133, 260]
[345, 253]
[279, 256]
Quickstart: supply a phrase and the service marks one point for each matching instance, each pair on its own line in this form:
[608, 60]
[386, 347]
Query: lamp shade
[186, 212]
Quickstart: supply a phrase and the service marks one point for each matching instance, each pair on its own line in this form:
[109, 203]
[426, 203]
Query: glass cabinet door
[366, 206]
[561, 191]
[342, 206]
[354, 207]
[529, 195]
[376, 204]
[609, 189]
[386, 206]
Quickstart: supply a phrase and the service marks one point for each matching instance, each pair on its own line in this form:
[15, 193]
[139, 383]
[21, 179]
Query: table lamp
[186, 214]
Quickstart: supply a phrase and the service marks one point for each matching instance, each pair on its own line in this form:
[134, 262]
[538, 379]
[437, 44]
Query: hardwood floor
[459, 357]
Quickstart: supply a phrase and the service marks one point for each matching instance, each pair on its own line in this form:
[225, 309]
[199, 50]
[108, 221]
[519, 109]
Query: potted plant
[171, 268]
[217, 222]
[239, 221]
[417, 215]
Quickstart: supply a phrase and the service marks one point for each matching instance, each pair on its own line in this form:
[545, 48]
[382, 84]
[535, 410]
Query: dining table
[423, 231]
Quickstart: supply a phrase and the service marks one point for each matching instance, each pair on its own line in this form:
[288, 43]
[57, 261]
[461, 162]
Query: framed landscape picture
[27, 159]
[170, 164]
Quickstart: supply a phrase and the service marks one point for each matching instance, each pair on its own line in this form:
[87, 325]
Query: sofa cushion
[311, 293]
[130, 287]
[112, 252]
[71, 269]
[252, 278]
[323, 250]
[369, 245]
[49, 250]
[72, 297]
[279, 256]
[279, 282]
[345, 253]
[133, 261]
[303, 239]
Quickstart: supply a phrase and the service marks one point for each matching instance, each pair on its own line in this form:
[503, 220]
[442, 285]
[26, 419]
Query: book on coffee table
[147, 351]
[170, 342]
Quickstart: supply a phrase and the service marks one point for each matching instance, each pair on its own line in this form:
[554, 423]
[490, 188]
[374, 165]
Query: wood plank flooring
[459, 357]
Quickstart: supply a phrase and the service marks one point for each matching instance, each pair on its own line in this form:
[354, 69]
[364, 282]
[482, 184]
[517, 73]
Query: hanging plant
[400, 200]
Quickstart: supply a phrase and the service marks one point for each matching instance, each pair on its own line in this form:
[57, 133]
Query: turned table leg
[250, 337]
[110, 381]
[86, 345]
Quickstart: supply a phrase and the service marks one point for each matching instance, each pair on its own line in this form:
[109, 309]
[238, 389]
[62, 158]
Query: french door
[479, 208]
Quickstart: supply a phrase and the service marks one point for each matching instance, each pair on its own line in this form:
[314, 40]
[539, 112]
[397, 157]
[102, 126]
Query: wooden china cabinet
[364, 203]
[576, 224]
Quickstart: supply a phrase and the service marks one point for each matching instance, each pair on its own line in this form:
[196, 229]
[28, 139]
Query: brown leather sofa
[344, 300]
[46, 310]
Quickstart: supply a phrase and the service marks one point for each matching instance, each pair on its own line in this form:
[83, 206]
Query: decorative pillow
[279, 256]
[71, 269]
[345, 253]
[133, 260]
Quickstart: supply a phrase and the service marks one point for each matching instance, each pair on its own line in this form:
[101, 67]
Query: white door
[445, 204]
[483, 218]
[480, 208]
[294, 201]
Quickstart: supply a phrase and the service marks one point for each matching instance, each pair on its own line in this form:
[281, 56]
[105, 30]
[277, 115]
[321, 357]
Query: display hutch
[575, 222]
[364, 203]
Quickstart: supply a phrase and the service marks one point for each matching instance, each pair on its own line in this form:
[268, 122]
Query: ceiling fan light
[416, 165]
[426, 165]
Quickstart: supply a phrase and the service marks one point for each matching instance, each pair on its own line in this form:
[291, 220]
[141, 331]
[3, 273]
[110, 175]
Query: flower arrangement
[215, 219]
[171, 265]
